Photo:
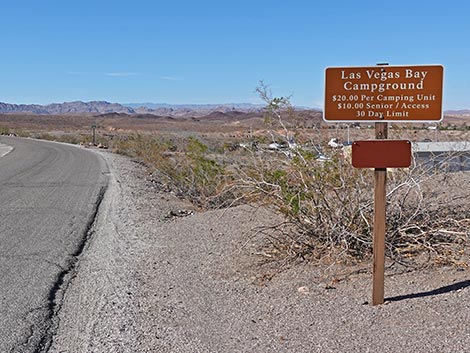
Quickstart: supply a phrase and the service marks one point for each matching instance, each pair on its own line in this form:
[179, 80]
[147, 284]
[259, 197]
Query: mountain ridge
[458, 112]
[104, 107]
[162, 109]
[76, 107]
[235, 106]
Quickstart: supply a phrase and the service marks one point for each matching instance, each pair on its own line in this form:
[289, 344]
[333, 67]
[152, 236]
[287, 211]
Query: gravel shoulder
[152, 281]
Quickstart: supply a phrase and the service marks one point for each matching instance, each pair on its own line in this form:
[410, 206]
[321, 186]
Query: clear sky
[217, 51]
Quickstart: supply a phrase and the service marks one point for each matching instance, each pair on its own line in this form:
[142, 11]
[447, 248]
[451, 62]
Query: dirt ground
[162, 276]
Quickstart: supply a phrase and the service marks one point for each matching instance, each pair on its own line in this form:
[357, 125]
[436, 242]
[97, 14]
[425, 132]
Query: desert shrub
[325, 203]
[72, 138]
[328, 204]
[187, 169]
[427, 213]
[22, 133]
[4, 130]
[328, 207]
[44, 136]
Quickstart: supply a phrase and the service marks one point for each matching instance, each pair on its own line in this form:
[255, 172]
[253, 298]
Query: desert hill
[78, 107]
[103, 107]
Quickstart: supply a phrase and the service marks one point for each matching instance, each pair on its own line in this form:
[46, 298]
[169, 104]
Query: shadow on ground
[441, 290]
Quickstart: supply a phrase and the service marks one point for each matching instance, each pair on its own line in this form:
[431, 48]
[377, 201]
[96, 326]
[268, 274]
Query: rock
[179, 213]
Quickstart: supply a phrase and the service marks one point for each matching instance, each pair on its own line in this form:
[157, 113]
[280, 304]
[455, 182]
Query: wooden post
[380, 176]
[93, 127]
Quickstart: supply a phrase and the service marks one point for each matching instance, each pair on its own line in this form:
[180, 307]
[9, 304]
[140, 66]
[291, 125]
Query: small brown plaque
[381, 154]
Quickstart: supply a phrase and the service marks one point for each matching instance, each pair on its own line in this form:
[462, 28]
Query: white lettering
[409, 73]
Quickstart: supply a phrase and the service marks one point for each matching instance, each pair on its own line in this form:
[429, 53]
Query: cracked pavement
[49, 195]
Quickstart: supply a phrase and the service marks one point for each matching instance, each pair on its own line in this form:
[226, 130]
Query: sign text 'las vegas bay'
[384, 93]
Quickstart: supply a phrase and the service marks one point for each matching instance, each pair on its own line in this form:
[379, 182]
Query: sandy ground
[152, 282]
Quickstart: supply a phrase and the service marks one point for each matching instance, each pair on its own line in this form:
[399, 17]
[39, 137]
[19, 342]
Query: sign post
[380, 179]
[380, 219]
[381, 94]
[93, 127]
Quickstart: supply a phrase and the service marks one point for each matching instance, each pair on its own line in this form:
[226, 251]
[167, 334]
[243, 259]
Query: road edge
[5, 149]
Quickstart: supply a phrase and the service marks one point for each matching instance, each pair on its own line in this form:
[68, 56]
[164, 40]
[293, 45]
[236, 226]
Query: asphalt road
[49, 194]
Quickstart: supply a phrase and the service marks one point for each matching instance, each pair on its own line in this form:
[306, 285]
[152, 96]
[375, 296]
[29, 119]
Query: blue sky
[217, 51]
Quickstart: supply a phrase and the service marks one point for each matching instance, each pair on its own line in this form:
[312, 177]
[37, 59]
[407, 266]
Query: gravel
[159, 275]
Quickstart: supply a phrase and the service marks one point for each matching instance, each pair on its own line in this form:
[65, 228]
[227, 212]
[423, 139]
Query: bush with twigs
[328, 204]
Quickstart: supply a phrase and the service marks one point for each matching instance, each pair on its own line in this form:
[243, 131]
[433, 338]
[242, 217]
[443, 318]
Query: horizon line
[187, 104]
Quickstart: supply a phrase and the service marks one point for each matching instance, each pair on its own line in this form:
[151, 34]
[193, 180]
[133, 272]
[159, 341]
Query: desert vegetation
[326, 203]
[283, 160]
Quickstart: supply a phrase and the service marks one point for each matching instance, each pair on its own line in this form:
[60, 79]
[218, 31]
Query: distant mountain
[212, 107]
[102, 107]
[96, 107]
[161, 109]
[457, 112]
[196, 110]
[6, 108]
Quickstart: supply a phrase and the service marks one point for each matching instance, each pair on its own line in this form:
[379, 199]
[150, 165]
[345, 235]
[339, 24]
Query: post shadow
[438, 291]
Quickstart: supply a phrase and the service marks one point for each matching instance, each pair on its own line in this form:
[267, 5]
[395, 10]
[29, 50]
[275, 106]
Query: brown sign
[381, 154]
[383, 93]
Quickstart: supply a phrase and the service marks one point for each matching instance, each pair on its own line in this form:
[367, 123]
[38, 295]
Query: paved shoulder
[49, 196]
[4, 150]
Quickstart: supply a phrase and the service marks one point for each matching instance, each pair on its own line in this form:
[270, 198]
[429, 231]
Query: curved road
[49, 194]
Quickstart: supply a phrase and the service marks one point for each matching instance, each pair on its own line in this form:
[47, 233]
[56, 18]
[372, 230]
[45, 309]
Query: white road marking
[4, 150]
